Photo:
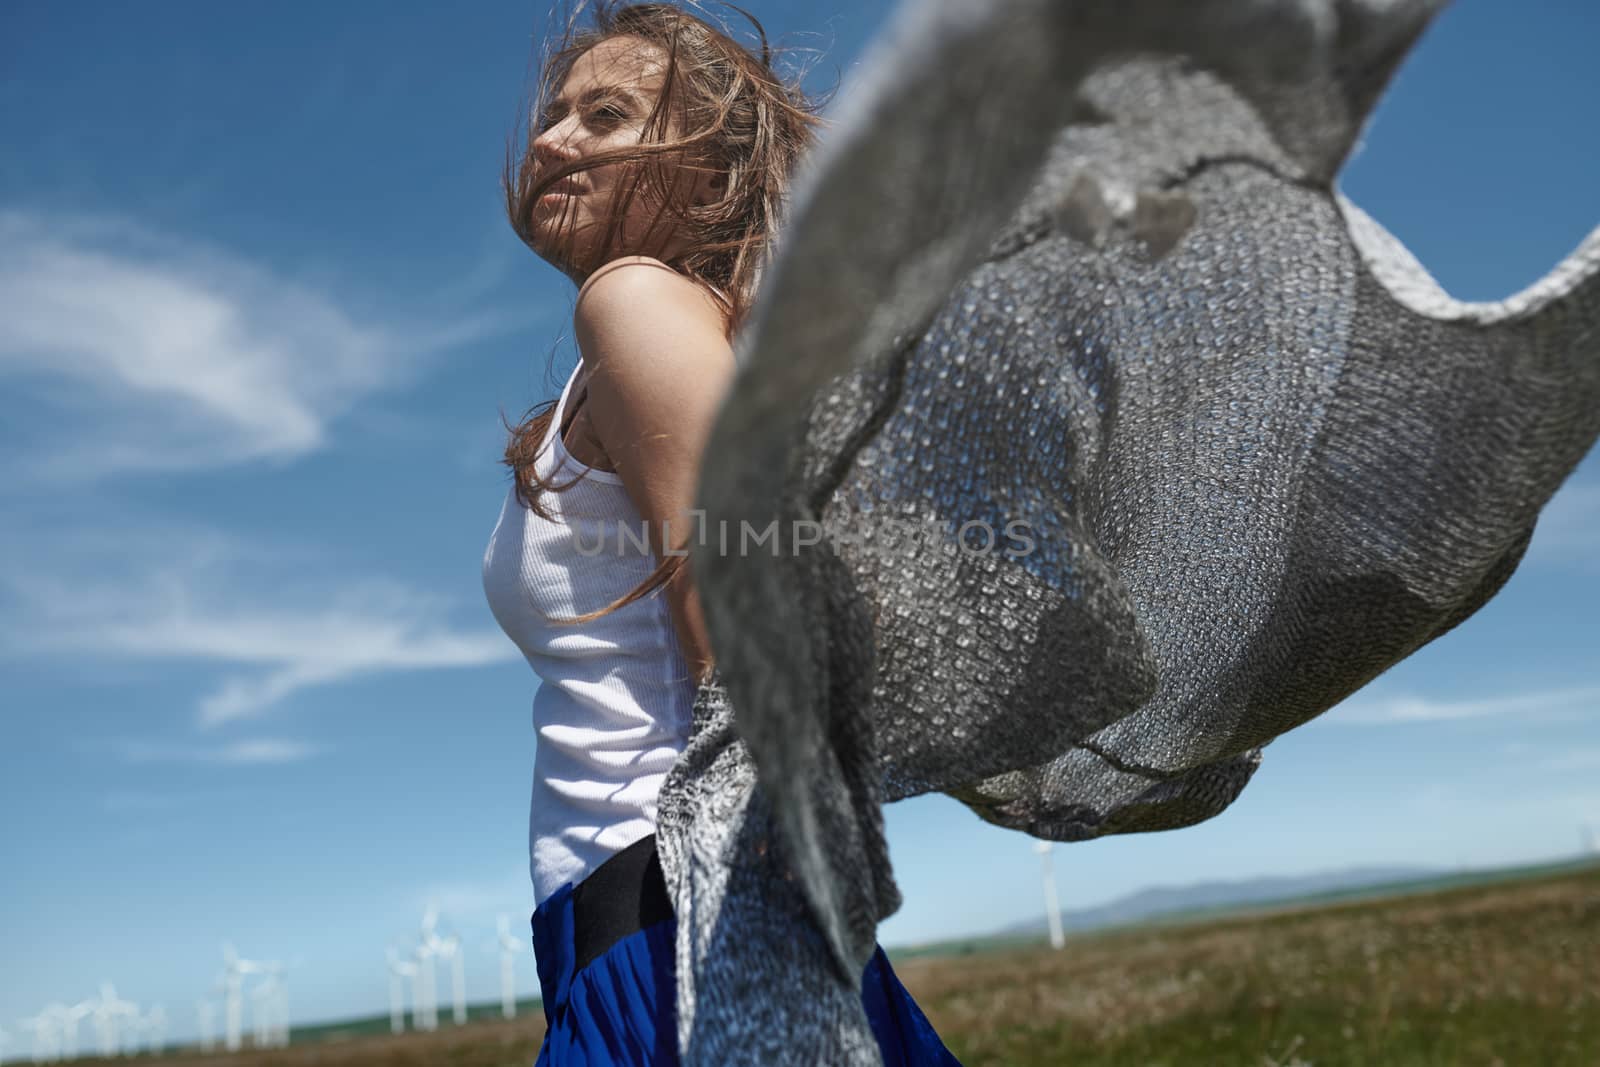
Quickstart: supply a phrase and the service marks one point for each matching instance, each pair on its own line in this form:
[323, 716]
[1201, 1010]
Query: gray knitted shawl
[1077, 265]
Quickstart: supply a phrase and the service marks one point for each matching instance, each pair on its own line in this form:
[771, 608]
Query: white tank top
[612, 710]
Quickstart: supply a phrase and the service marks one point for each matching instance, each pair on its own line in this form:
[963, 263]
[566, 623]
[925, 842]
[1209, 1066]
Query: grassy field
[1506, 973]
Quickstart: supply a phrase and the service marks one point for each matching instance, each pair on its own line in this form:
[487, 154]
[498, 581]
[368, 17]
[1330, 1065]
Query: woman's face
[602, 105]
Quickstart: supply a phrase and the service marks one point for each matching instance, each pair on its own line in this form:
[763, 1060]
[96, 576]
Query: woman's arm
[659, 364]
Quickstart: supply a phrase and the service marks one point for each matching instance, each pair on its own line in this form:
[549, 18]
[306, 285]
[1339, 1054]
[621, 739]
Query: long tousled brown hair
[737, 117]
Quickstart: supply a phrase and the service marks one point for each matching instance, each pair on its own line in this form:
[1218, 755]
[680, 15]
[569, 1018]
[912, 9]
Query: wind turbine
[59, 1015]
[399, 970]
[425, 1016]
[155, 1025]
[427, 950]
[46, 1039]
[207, 1017]
[278, 1005]
[270, 1006]
[449, 948]
[445, 948]
[69, 1019]
[509, 947]
[1052, 906]
[263, 1002]
[233, 971]
[133, 1034]
[107, 1011]
[283, 1002]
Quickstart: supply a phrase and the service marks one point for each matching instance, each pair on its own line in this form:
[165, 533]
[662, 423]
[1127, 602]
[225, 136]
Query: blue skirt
[620, 1010]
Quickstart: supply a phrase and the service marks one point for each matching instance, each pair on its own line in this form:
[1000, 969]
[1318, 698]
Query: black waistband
[622, 896]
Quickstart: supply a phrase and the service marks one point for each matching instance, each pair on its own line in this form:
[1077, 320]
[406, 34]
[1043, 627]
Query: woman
[654, 179]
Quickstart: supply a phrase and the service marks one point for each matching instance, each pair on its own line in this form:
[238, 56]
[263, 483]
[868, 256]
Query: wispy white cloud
[234, 753]
[140, 351]
[323, 647]
[1414, 709]
[211, 600]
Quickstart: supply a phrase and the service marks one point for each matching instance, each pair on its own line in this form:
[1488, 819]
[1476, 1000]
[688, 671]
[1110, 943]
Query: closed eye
[608, 112]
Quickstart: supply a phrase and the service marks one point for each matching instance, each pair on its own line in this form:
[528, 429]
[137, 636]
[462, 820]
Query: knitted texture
[1072, 280]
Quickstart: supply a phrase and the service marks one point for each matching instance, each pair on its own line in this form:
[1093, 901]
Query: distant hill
[1210, 896]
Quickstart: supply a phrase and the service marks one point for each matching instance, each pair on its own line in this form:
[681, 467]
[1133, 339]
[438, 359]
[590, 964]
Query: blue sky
[259, 316]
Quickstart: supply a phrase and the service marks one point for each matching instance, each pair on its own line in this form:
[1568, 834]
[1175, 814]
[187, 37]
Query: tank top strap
[560, 413]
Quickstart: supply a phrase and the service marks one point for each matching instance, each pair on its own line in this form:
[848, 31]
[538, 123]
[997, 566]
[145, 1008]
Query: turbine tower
[277, 1005]
[509, 947]
[107, 1011]
[263, 1005]
[427, 989]
[206, 1016]
[428, 946]
[399, 971]
[233, 971]
[70, 1018]
[449, 948]
[133, 1034]
[46, 1036]
[155, 1028]
[1052, 906]
[59, 1015]
[282, 1037]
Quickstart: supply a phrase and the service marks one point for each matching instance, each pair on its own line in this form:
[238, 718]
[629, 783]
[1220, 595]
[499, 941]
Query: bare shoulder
[654, 346]
[638, 294]
[658, 365]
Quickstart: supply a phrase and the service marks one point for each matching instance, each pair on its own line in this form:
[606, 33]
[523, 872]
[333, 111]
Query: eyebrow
[595, 92]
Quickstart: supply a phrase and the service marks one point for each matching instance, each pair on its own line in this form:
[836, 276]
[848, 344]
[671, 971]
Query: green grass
[1507, 973]
[378, 1025]
[1502, 972]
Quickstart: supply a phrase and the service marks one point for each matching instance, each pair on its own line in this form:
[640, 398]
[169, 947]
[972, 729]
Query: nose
[553, 147]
